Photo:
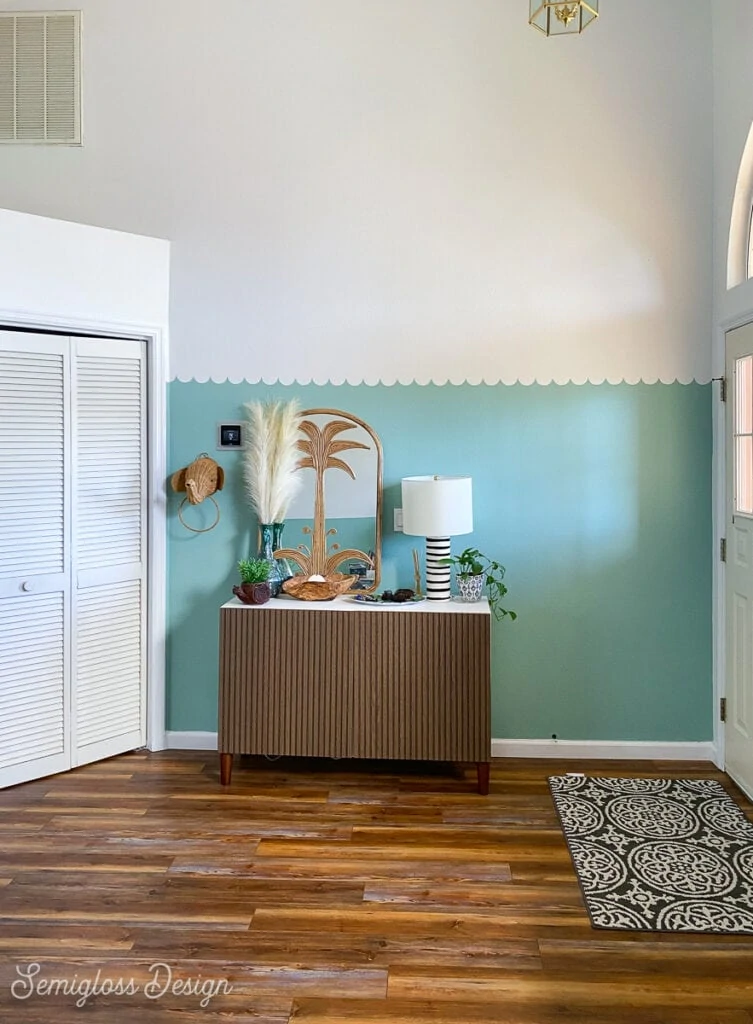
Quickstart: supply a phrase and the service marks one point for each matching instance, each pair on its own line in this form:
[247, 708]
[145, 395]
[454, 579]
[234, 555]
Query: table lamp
[437, 508]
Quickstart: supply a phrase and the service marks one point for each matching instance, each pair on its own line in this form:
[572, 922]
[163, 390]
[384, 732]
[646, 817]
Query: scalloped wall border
[396, 382]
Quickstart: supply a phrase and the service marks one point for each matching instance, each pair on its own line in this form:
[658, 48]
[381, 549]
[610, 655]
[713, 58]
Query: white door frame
[719, 523]
[156, 338]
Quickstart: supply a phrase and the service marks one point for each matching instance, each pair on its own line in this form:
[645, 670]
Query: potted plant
[271, 462]
[473, 572]
[254, 588]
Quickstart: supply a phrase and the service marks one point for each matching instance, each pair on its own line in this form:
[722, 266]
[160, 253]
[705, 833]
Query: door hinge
[723, 389]
[723, 549]
[722, 709]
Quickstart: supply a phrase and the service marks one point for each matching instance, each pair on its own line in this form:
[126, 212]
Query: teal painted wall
[597, 498]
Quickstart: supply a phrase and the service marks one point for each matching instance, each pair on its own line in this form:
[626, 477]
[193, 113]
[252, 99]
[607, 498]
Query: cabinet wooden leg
[482, 773]
[226, 769]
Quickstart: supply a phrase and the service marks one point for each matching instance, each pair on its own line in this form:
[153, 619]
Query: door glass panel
[744, 435]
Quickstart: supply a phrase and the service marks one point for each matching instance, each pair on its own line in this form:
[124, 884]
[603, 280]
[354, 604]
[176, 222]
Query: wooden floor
[329, 894]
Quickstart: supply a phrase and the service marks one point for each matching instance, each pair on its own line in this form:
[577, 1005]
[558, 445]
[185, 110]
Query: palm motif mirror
[336, 517]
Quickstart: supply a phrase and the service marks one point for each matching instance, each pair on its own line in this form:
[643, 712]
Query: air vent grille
[40, 80]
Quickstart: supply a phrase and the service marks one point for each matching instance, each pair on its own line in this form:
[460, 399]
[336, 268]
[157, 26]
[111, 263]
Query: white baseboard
[564, 749]
[191, 740]
[605, 750]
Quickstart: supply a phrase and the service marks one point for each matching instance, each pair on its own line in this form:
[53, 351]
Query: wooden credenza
[343, 679]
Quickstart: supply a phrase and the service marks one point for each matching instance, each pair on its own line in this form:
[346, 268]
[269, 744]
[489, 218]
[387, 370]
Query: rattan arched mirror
[338, 511]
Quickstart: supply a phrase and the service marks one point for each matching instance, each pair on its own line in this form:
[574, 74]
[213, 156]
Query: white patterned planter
[470, 587]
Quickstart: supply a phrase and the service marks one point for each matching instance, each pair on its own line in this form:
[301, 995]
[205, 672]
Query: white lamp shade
[437, 506]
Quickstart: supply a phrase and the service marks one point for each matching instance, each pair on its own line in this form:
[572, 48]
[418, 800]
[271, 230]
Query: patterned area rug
[659, 854]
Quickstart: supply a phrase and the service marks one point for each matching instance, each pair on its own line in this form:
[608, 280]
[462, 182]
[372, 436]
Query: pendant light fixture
[554, 18]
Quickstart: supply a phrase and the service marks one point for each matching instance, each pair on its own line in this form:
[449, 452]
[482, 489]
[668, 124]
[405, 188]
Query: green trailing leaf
[473, 562]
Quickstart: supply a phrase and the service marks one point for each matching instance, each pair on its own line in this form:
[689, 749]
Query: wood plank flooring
[328, 893]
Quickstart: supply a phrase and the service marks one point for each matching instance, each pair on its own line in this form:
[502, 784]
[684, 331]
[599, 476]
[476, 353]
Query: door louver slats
[34, 542]
[115, 657]
[31, 716]
[110, 463]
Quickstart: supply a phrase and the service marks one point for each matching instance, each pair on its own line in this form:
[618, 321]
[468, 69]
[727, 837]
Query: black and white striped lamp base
[437, 575]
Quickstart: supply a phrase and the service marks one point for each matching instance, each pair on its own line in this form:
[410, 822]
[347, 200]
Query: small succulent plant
[254, 570]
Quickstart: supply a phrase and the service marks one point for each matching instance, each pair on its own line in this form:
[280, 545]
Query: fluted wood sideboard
[349, 680]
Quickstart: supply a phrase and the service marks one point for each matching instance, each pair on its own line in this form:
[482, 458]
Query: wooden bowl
[318, 590]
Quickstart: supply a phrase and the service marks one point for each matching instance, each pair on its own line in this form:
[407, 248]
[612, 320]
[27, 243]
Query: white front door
[738, 730]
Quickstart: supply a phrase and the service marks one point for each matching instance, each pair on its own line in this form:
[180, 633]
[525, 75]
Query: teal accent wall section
[597, 498]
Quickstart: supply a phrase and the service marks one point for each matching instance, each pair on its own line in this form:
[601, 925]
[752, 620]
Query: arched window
[740, 252]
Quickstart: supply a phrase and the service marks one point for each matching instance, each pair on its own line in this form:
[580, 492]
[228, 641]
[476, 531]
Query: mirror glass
[334, 522]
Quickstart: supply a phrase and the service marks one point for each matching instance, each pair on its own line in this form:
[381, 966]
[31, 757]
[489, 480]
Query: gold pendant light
[554, 18]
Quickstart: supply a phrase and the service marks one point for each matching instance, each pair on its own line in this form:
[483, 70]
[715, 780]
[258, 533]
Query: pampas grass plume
[272, 457]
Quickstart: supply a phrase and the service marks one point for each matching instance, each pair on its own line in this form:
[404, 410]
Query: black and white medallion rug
[659, 854]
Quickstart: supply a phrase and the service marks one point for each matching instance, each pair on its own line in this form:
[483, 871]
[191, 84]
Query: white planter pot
[470, 587]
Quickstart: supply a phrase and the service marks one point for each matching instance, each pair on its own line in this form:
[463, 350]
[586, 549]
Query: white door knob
[27, 585]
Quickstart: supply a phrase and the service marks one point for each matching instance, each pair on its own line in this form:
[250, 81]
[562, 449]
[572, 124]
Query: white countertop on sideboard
[348, 604]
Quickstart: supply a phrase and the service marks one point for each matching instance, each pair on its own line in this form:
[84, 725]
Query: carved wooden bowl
[318, 590]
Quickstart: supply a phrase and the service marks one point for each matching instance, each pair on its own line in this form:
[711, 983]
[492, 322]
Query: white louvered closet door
[34, 556]
[109, 548]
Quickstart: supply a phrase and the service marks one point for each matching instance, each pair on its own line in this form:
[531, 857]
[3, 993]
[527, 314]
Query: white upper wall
[401, 189]
[733, 118]
[52, 270]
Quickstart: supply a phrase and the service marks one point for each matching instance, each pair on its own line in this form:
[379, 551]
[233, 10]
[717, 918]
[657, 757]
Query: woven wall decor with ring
[202, 479]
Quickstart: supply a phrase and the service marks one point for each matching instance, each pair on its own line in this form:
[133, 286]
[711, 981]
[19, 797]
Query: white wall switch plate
[398, 526]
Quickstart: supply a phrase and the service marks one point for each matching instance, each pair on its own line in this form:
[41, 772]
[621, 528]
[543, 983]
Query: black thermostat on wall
[229, 435]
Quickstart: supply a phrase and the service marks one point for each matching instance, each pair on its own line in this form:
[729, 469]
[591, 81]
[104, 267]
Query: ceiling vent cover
[40, 79]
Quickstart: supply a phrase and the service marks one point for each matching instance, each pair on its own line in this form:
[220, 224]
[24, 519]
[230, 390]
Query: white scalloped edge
[438, 382]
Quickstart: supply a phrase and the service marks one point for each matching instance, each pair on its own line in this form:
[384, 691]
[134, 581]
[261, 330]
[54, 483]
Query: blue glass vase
[271, 541]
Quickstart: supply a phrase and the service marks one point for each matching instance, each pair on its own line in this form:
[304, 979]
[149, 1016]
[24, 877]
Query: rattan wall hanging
[201, 480]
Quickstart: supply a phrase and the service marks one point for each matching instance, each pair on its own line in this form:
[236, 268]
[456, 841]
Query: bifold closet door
[34, 556]
[72, 552]
[109, 547]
